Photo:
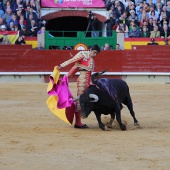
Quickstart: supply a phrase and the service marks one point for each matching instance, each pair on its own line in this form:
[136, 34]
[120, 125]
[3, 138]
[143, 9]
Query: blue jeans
[95, 34]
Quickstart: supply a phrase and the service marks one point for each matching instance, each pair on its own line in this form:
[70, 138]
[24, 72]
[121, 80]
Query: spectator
[95, 23]
[39, 47]
[18, 14]
[35, 16]
[119, 3]
[164, 18]
[37, 3]
[151, 4]
[11, 26]
[8, 5]
[1, 6]
[3, 28]
[165, 33]
[164, 23]
[33, 29]
[8, 15]
[106, 47]
[139, 8]
[164, 13]
[118, 12]
[135, 32]
[155, 33]
[20, 10]
[150, 25]
[132, 15]
[140, 14]
[22, 22]
[130, 7]
[33, 5]
[110, 23]
[146, 7]
[145, 18]
[118, 47]
[13, 19]
[144, 33]
[124, 18]
[153, 13]
[131, 25]
[28, 21]
[16, 28]
[23, 32]
[5, 40]
[122, 28]
[20, 41]
[1, 13]
[15, 5]
[168, 6]
[27, 12]
[159, 8]
[26, 3]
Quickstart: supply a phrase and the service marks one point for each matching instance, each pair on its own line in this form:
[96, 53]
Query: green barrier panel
[60, 39]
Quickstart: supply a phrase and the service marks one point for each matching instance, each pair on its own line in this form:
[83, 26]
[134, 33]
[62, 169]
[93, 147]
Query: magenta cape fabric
[65, 97]
[74, 4]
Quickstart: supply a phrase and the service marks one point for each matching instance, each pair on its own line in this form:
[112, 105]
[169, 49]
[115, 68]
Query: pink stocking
[78, 118]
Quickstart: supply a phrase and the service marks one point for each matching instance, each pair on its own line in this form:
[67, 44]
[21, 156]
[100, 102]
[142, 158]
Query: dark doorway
[67, 24]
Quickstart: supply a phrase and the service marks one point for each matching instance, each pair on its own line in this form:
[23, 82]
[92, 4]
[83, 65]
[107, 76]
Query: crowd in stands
[22, 16]
[134, 18]
[139, 18]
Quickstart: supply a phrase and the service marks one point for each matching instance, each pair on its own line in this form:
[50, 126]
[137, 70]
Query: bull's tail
[94, 75]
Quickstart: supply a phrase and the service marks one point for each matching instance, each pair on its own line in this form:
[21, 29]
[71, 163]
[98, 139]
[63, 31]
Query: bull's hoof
[103, 127]
[136, 123]
[122, 127]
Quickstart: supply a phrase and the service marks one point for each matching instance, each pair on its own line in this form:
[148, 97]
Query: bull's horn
[95, 97]
[76, 98]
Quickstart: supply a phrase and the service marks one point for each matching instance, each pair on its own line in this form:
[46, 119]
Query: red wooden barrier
[14, 47]
[146, 59]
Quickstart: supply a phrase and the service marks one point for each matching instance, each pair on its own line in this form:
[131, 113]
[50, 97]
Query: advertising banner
[73, 3]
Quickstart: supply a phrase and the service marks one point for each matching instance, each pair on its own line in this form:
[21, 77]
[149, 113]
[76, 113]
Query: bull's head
[87, 103]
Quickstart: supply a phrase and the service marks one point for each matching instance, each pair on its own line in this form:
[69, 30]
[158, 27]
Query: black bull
[106, 96]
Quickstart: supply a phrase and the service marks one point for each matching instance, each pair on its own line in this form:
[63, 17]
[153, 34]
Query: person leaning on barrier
[122, 28]
[117, 47]
[20, 40]
[106, 47]
[5, 40]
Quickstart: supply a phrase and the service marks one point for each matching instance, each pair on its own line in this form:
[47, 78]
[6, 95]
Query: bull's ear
[93, 96]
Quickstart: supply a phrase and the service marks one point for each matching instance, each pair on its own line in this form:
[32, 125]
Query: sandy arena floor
[32, 138]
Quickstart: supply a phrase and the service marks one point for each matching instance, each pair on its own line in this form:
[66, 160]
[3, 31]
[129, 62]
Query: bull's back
[121, 88]
[115, 86]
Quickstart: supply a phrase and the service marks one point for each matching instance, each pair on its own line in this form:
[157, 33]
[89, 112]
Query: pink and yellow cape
[60, 101]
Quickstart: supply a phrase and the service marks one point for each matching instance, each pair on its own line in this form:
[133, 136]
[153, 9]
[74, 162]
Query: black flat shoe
[81, 127]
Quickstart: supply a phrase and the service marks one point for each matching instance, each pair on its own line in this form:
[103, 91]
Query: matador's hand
[59, 67]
